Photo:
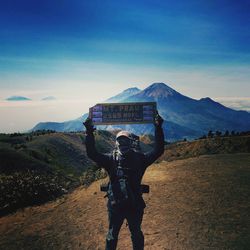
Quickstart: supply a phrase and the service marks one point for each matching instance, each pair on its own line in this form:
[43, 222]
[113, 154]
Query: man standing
[125, 167]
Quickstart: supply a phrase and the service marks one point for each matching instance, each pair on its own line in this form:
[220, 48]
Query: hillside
[208, 146]
[197, 203]
[41, 166]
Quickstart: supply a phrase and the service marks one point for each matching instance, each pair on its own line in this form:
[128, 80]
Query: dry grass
[197, 203]
[216, 145]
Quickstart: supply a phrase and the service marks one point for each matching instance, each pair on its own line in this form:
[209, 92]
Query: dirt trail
[198, 203]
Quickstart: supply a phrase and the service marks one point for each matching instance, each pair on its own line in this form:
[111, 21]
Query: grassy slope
[64, 152]
[35, 168]
[217, 145]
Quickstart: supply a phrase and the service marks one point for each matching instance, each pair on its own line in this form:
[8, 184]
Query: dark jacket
[137, 162]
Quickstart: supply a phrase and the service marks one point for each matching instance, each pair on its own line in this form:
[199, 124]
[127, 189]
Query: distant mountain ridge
[48, 98]
[17, 98]
[184, 117]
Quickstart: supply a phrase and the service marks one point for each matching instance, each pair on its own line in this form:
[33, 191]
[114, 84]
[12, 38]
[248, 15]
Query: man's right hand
[158, 120]
[89, 125]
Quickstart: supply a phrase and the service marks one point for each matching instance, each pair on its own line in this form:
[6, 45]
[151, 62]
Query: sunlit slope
[196, 203]
[215, 145]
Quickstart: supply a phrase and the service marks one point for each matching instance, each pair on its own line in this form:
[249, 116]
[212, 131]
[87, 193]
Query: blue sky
[71, 49]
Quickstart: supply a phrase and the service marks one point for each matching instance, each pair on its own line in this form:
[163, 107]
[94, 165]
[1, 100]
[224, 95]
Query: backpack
[120, 192]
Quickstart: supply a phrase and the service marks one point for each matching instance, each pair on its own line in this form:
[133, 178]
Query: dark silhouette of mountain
[72, 125]
[184, 117]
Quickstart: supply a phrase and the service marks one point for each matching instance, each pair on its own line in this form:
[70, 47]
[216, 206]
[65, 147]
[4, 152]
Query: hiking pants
[134, 218]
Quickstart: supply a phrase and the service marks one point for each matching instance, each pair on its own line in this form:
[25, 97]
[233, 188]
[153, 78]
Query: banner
[123, 113]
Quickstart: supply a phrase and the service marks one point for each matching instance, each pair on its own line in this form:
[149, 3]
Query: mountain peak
[131, 91]
[206, 99]
[124, 94]
[158, 85]
[209, 101]
[159, 90]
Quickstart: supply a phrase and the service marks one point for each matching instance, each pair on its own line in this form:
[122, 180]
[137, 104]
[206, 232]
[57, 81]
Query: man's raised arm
[102, 160]
[158, 150]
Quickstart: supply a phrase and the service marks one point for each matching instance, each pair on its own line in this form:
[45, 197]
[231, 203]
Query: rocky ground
[196, 203]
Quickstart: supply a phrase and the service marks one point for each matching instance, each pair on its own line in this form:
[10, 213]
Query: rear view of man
[125, 167]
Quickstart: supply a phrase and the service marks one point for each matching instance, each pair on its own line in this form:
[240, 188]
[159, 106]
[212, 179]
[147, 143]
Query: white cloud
[24, 116]
[237, 103]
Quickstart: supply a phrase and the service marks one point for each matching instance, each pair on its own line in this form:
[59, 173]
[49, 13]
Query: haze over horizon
[83, 52]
